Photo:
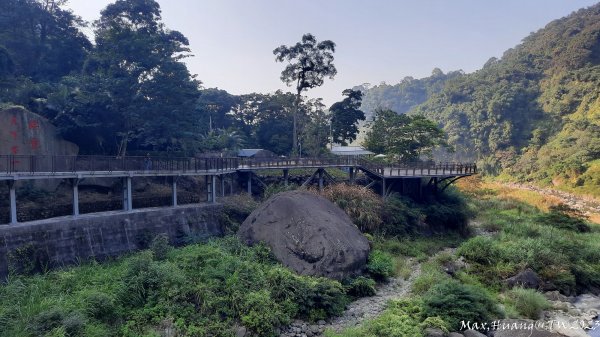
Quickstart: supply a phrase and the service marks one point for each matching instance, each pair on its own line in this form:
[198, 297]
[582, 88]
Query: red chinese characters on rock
[33, 124]
[35, 143]
[14, 149]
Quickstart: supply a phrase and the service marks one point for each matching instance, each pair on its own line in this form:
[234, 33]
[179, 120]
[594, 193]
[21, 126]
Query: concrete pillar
[127, 199]
[351, 175]
[75, 185]
[214, 188]
[249, 182]
[222, 185]
[13, 202]
[383, 187]
[208, 181]
[320, 179]
[174, 191]
[286, 176]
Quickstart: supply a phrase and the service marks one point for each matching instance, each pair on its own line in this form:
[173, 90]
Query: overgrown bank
[208, 289]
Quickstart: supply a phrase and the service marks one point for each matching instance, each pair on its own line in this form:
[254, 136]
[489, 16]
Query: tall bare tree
[309, 62]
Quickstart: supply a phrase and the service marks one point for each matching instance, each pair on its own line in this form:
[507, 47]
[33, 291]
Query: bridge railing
[68, 164]
[423, 168]
[254, 163]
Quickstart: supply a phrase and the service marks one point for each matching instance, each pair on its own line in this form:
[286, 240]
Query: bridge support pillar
[75, 185]
[174, 191]
[286, 176]
[320, 180]
[383, 187]
[351, 174]
[222, 185]
[127, 198]
[249, 182]
[213, 184]
[13, 202]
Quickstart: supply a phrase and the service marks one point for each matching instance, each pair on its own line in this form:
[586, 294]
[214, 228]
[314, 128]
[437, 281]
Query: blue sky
[377, 40]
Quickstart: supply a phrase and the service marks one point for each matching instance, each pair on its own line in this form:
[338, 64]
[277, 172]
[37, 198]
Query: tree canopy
[403, 137]
[345, 116]
[309, 62]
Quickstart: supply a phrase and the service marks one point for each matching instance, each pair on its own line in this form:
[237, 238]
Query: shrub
[160, 246]
[273, 189]
[400, 217]
[480, 249]
[435, 323]
[46, 321]
[380, 265]
[447, 211]
[564, 217]
[144, 279]
[362, 205]
[236, 209]
[455, 302]
[361, 287]
[528, 302]
[28, 259]
[430, 276]
[100, 306]
[261, 315]
[400, 319]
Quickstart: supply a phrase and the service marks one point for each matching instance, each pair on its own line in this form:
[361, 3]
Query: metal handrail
[31, 164]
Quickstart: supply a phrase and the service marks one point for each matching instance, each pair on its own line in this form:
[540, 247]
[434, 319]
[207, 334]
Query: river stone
[308, 234]
[526, 279]
[472, 333]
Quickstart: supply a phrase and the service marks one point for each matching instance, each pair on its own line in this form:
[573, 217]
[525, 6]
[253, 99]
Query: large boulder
[308, 234]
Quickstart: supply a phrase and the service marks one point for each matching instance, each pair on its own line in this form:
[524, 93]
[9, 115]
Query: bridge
[75, 169]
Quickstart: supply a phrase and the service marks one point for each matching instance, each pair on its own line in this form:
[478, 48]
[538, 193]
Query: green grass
[199, 290]
[560, 249]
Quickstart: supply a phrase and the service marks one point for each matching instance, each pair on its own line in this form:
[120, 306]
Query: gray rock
[432, 332]
[241, 331]
[455, 334]
[526, 279]
[556, 296]
[472, 333]
[308, 234]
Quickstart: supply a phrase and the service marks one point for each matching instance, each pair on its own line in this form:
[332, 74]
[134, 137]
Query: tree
[403, 137]
[135, 81]
[315, 133]
[345, 116]
[309, 62]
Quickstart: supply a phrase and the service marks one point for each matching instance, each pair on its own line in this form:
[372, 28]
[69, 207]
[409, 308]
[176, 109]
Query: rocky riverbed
[359, 310]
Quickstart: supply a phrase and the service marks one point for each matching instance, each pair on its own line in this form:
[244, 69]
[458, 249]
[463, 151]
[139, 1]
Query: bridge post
[75, 185]
[286, 176]
[174, 191]
[213, 184]
[127, 199]
[13, 202]
[222, 185]
[320, 179]
[383, 188]
[351, 175]
[250, 182]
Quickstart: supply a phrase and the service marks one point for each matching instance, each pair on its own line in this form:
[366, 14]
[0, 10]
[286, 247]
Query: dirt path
[359, 310]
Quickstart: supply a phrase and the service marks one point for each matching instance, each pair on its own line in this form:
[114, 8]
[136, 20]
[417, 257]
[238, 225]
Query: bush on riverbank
[201, 289]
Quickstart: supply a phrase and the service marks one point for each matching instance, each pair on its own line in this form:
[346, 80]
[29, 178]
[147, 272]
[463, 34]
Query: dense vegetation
[533, 114]
[129, 91]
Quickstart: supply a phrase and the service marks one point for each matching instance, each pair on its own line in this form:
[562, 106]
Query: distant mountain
[533, 114]
[404, 96]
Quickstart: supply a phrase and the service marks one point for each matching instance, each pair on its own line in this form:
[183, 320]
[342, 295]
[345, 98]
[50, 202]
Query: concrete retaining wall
[62, 241]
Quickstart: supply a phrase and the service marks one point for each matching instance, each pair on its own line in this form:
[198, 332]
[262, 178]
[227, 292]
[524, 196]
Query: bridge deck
[62, 167]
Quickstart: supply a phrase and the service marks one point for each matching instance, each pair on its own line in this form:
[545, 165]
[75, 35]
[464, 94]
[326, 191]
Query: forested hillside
[404, 96]
[533, 114]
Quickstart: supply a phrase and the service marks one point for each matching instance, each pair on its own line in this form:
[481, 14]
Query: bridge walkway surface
[15, 168]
